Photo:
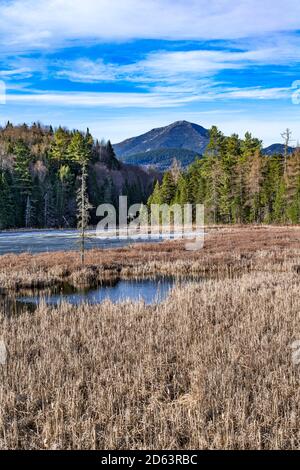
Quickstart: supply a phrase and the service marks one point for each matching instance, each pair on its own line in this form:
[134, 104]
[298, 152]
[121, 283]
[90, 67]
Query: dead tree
[83, 208]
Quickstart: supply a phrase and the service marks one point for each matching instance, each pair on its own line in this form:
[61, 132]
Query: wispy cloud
[182, 76]
[258, 93]
[145, 100]
[30, 25]
[62, 56]
[88, 71]
[18, 73]
[85, 99]
[161, 65]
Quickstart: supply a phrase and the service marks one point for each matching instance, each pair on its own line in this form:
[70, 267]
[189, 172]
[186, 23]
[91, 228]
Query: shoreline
[214, 358]
[228, 250]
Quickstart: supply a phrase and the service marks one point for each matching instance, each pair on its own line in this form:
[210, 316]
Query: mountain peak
[277, 149]
[177, 135]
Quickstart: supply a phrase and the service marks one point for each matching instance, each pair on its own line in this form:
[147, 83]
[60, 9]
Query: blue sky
[122, 67]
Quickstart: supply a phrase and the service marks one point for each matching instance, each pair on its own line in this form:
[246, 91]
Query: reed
[209, 368]
[227, 251]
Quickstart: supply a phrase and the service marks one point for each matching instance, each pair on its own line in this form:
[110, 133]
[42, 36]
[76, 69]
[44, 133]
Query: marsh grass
[210, 367]
[227, 251]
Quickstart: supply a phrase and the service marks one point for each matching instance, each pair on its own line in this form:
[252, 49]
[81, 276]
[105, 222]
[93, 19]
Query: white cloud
[176, 77]
[157, 100]
[106, 99]
[258, 93]
[29, 25]
[21, 72]
[87, 71]
[184, 70]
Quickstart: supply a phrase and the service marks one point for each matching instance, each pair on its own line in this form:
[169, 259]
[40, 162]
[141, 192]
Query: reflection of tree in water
[10, 305]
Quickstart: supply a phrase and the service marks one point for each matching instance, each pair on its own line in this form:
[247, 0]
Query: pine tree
[229, 160]
[7, 207]
[292, 179]
[78, 149]
[212, 171]
[216, 142]
[196, 182]
[155, 197]
[59, 146]
[279, 211]
[168, 188]
[23, 180]
[36, 204]
[22, 159]
[181, 196]
[250, 145]
[111, 160]
[254, 187]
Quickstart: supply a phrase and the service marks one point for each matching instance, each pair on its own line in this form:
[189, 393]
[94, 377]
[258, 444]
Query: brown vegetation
[209, 368]
[227, 250]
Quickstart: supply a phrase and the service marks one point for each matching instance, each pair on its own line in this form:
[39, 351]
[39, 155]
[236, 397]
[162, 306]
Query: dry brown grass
[209, 368]
[227, 250]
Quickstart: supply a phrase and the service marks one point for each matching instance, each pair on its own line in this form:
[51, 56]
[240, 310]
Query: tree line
[236, 182]
[41, 172]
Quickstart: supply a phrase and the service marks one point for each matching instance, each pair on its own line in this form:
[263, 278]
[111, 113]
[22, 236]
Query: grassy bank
[211, 367]
[227, 251]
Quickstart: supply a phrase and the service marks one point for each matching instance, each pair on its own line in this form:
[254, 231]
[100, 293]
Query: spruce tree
[255, 173]
[168, 188]
[292, 179]
[23, 180]
[59, 146]
[7, 206]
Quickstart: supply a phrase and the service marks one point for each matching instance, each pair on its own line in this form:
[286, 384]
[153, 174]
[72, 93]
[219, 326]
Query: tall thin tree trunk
[83, 211]
[83, 215]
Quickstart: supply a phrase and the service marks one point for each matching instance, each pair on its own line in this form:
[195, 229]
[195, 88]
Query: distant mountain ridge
[276, 149]
[182, 140]
[179, 135]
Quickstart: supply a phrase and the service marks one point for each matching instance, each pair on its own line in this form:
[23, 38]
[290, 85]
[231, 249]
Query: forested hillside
[236, 182]
[40, 172]
[162, 159]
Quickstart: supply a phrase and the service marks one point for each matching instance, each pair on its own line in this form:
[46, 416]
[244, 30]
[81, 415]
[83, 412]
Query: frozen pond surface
[39, 241]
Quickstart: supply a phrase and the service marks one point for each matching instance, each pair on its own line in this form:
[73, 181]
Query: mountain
[162, 158]
[181, 135]
[276, 149]
[182, 140]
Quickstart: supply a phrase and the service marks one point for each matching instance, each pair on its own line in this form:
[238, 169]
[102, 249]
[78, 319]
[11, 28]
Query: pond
[149, 290]
[40, 241]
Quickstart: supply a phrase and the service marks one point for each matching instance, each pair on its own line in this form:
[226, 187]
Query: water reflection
[148, 290]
